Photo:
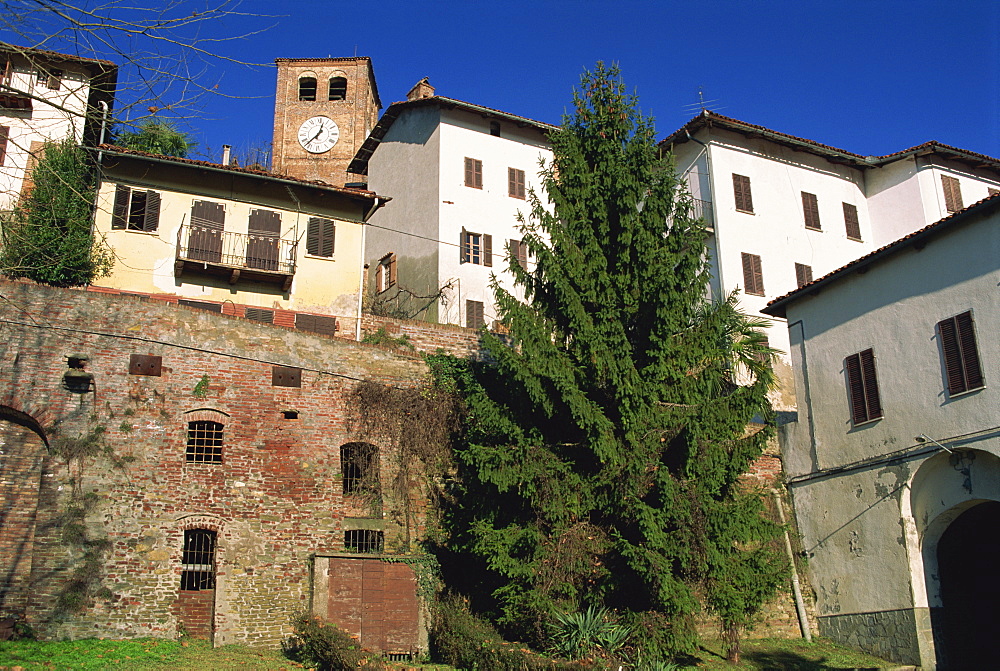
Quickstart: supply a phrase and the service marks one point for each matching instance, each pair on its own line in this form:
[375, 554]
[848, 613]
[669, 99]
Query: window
[495, 128]
[4, 135]
[741, 190]
[519, 252]
[753, 278]
[198, 560]
[952, 193]
[515, 183]
[474, 317]
[316, 324]
[259, 315]
[810, 206]
[204, 441]
[307, 88]
[862, 386]
[476, 248]
[385, 274]
[474, 173]
[363, 540]
[961, 358]
[803, 274]
[359, 468]
[264, 230]
[851, 222]
[135, 210]
[208, 222]
[51, 78]
[338, 88]
[320, 237]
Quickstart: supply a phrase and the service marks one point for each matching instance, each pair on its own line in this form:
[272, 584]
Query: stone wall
[888, 634]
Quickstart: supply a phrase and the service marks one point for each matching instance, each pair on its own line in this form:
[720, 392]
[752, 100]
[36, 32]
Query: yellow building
[215, 235]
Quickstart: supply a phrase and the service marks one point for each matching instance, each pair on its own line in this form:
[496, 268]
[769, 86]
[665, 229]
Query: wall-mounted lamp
[924, 438]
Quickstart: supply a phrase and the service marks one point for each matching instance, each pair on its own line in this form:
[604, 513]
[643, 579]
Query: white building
[45, 96]
[894, 461]
[785, 209]
[458, 174]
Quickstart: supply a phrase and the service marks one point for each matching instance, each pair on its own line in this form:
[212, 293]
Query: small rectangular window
[960, 353]
[952, 193]
[753, 277]
[51, 78]
[363, 540]
[474, 317]
[862, 386]
[474, 173]
[515, 183]
[803, 274]
[476, 248]
[810, 206]
[385, 273]
[204, 442]
[741, 191]
[198, 560]
[135, 210]
[851, 222]
[359, 468]
[320, 237]
[495, 128]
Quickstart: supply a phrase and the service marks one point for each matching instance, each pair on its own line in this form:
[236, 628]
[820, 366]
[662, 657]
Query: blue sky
[869, 77]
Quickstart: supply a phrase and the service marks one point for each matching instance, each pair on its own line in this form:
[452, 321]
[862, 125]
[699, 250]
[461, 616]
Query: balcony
[702, 209]
[208, 250]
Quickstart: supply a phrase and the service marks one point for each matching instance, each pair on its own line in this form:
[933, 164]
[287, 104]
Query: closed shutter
[151, 221]
[474, 317]
[488, 250]
[262, 240]
[803, 274]
[316, 324]
[201, 305]
[392, 270]
[741, 191]
[207, 224]
[810, 206]
[119, 213]
[519, 252]
[474, 173]
[259, 315]
[753, 277]
[851, 222]
[862, 385]
[4, 134]
[961, 356]
[320, 237]
[952, 193]
[463, 246]
[515, 183]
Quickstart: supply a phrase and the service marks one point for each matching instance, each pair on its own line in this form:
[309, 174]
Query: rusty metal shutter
[259, 315]
[145, 364]
[741, 191]
[320, 237]
[151, 220]
[810, 206]
[316, 324]
[119, 213]
[286, 376]
[851, 222]
[961, 355]
[753, 277]
[488, 250]
[4, 135]
[803, 274]
[952, 193]
[862, 385]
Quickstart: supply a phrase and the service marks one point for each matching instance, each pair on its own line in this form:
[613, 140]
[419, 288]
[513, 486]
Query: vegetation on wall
[48, 236]
[601, 462]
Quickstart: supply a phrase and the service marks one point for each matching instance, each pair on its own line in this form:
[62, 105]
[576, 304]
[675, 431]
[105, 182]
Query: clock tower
[324, 109]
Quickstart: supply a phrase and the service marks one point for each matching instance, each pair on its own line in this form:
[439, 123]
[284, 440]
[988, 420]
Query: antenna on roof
[355, 51]
[702, 105]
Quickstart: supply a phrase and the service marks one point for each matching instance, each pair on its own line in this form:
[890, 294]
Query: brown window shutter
[961, 356]
[474, 317]
[479, 174]
[264, 222]
[151, 221]
[753, 277]
[463, 247]
[519, 252]
[810, 206]
[952, 193]
[488, 250]
[259, 315]
[319, 236]
[511, 181]
[803, 274]
[851, 222]
[4, 135]
[872, 400]
[862, 384]
[119, 213]
[470, 172]
[392, 270]
[316, 324]
[741, 190]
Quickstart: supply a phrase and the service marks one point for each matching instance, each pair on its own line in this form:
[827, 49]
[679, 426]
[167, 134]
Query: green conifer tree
[603, 457]
[48, 238]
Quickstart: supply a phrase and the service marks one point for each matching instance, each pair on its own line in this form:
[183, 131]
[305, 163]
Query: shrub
[576, 635]
[328, 647]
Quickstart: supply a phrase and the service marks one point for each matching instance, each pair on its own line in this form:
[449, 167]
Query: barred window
[198, 560]
[363, 540]
[204, 442]
[359, 467]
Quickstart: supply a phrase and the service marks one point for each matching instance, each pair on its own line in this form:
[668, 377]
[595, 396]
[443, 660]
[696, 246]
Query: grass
[160, 654]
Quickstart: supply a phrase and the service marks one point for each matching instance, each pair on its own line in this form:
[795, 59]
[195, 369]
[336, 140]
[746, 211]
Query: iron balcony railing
[702, 209]
[251, 251]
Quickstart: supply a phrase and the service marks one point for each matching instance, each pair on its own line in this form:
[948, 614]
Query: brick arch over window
[205, 437]
[338, 88]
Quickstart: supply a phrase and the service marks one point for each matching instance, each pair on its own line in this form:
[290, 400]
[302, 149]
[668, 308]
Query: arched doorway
[968, 555]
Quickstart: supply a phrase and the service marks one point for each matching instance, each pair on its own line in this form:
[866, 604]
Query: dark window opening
[201, 305]
[198, 560]
[338, 88]
[363, 540]
[495, 128]
[961, 355]
[204, 442]
[51, 78]
[307, 88]
[360, 468]
[862, 386]
[290, 414]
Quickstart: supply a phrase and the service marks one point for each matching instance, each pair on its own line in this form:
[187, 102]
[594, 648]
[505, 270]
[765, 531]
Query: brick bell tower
[324, 109]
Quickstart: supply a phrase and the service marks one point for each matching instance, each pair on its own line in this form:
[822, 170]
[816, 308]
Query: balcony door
[207, 224]
[262, 241]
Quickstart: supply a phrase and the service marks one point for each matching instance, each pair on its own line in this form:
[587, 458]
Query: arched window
[359, 467]
[198, 560]
[204, 441]
[338, 88]
[307, 88]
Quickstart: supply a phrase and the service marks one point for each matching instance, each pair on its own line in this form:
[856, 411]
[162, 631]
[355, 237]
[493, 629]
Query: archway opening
[967, 625]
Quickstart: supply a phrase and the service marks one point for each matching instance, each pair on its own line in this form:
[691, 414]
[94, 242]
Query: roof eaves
[777, 307]
[937, 147]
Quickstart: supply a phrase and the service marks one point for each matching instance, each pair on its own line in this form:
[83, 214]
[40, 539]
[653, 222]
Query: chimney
[225, 154]
[421, 89]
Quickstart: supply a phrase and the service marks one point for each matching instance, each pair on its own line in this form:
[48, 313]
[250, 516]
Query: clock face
[318, 134]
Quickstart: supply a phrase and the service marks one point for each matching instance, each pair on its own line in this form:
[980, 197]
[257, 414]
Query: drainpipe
[100, 155]
[361, 266]
[800, 606]
[715, 218]
[104, 124]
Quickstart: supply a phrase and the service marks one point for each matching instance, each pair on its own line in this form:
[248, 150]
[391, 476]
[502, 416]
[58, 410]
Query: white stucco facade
[874, 498]
[420, 161]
